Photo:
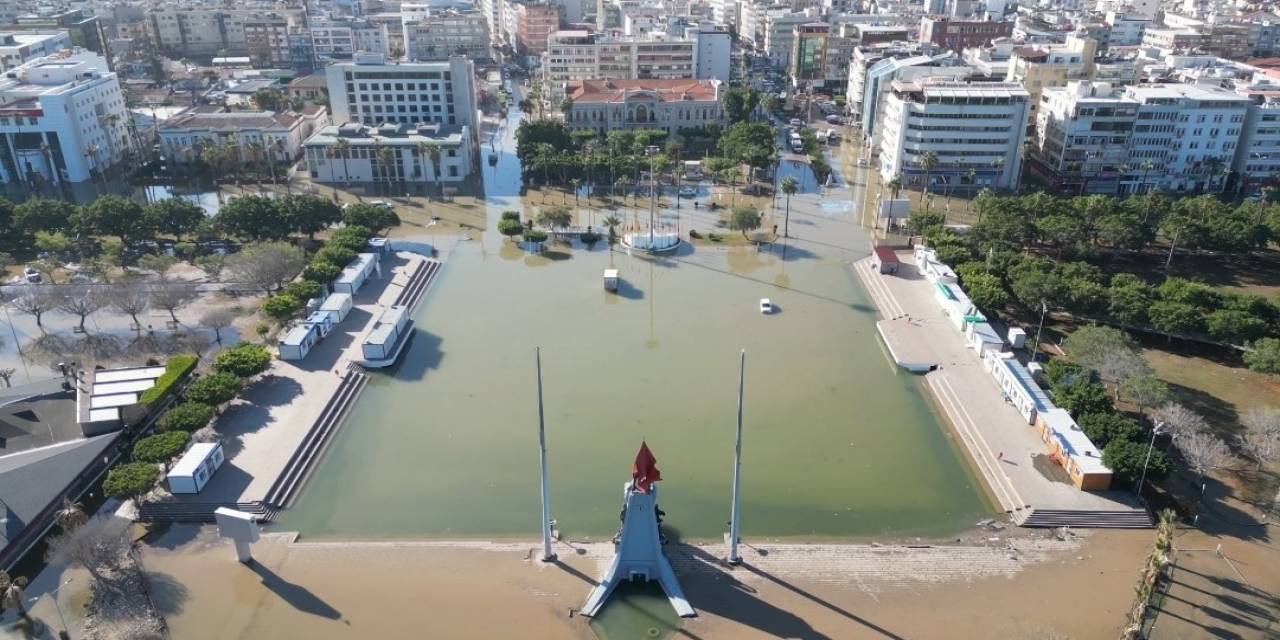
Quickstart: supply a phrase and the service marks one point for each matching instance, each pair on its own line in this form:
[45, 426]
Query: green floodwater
[837, 443]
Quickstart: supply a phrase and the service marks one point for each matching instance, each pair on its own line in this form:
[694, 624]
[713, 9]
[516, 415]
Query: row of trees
[549, 150]
[325, 266]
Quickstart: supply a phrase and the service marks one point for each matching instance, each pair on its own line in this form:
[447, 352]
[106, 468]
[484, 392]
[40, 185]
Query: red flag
[644, 471]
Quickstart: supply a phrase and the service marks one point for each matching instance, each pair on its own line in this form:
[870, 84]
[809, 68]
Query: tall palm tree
[928, 162]
[734, 174]
[611, 222]
[256, 149]
[1146, 167]
[789, 187]
[1214, 166]
[576, 182]
[895, 186]
[342, 149]
[431, 150]
[973, 178]
[387, 160]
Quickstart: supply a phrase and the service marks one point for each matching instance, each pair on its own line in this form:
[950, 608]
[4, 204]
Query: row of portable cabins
[1057, 429]
[297, 343]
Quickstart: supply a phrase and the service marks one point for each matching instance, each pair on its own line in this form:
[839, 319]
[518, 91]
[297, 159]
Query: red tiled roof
[615, 90]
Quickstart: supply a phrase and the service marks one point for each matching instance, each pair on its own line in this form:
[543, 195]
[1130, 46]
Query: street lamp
[1044, 308]
[1155, 431]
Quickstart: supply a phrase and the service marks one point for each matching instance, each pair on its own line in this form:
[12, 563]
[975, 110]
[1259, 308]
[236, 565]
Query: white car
[766, 306]
[688, 192]
[796, 122]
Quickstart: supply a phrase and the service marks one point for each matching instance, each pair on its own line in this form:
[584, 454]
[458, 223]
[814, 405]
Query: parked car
[766, 306]
[688, 192]
[796, 122]
[31, 275]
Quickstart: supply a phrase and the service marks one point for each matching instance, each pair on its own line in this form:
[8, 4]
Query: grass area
[1220, 391]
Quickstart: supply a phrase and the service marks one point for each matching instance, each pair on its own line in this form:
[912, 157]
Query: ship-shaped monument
[638, 551]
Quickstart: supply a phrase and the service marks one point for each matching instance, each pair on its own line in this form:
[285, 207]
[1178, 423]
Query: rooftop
[392, 134]
[609, 90]
[231, 121]
[37, 415]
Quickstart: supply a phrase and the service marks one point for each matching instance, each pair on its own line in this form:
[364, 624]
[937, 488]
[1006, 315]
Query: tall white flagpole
[548, 554]
[735, 516]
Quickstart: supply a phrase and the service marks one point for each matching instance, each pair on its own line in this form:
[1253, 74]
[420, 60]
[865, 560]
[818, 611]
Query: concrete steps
[1052, 518]
[197, 512]
[300, 464]
[421, 279]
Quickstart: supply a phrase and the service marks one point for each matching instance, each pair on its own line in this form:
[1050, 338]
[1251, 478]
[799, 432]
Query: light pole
[1044, 308]
[1155, 431]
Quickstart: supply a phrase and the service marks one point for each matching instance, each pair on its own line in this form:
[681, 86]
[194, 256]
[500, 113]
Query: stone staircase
[300, 464]
[1081, 519]
[197, 512]
[421, 279]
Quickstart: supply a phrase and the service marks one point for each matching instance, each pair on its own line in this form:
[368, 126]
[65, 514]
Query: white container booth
[336, 306]
[196, 467]
[356, 272]
[298, 342]
[322, 322]
[384, 342]
[379, 246]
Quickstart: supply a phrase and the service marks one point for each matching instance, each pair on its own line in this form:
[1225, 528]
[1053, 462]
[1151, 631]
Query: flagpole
[547, 554]
[735, 516]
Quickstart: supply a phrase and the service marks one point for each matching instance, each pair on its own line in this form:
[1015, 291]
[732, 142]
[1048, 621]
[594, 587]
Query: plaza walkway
[1003, 448]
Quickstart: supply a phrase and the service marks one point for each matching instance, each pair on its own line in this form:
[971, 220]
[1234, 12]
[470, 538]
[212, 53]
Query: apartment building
[961, 34]
[1172, 39]
[371, 91]
[780, 32]
[340, 40]
[62, 119]
[201, 32]
[1257, 159]
[1082, 139]
[259, 135]
[86, 30]
[266, 40]
[580, 55]
[534, 23]
[969, 127]
[1189, 133]
[880, 76]
[18, 48]
[1036, 68]
[447, 33]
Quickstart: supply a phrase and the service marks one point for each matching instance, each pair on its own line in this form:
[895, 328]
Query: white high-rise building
[1083, 132]
[371, 91]
[1189, 133]
[447, 33]
[17, 48]
[62, 119]
[580, 55]
[974, 127]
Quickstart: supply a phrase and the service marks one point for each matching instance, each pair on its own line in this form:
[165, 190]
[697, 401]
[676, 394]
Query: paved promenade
[262, 428]
[1006, 450]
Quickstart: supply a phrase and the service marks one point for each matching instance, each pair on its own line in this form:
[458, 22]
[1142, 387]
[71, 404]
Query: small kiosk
[336, 306]
[296, 344]
[195, 468]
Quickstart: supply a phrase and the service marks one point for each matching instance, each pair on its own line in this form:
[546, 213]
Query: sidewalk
[1003, 448]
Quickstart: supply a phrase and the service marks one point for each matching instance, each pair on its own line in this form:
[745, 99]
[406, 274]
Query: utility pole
[548, 555]
[735, 515]
[1044, 308]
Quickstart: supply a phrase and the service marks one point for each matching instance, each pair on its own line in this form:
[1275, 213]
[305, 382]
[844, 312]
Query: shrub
[355, 237]
[1102, 428]
[130, 480]
[304, 290]
[694, 235]
[1125, 458]
[1058, 372]
[322, 272]
[175, 370]
[187, 416]
[281, 307]
[335, 255]
[262, 328]
[535, 236]
[1263, 356]
[243, 360]
[161, 447]
[215, 389]
[510, 228]
[511, 215]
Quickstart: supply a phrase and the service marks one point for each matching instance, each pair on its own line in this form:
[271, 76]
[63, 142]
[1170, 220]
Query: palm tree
[256, 149]
[611, 222]
[789, 187]
[432, 151]
[928, 162]
[387, 160]
[1146, 167]
[70, 515]
[566, 108]
[576, 182]
[620, 183]
[1214, 166]
[526, 108]
[342, 149]
[895, 186]
[973, 178]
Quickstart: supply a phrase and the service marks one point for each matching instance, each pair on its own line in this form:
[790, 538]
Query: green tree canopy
[244, 360]
[42, 214]
[1102, 428]
[176, 217]
[113, 215]
[373, 217]
[161, 447]
[532, 133]
[253, 217]
[215, 389]
[1263, 356]
[281, 307]
[744, 219]
[749, 144]
[1126, 457]
[186, 416]
[309, 213]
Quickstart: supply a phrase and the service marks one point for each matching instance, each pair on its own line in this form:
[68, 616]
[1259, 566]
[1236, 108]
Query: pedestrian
[1000, 456]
